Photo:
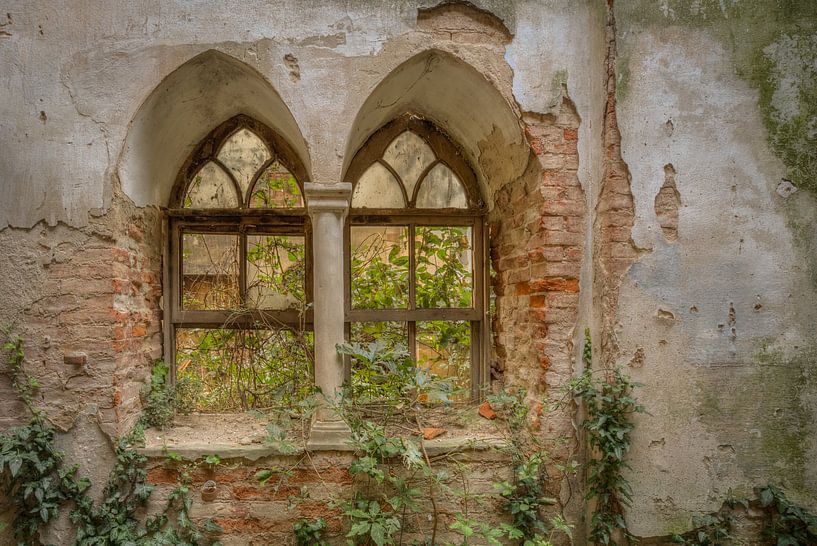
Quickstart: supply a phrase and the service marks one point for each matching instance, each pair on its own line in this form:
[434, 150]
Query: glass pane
[377, 188]
[444, 266]
[223, 370]
[210, 266]
[380, 378]
[380, 266]
[243, 154]
[275, 271]
[441, 189]
[276, 187]
[409, 156]
[444, 349]
[211, 188]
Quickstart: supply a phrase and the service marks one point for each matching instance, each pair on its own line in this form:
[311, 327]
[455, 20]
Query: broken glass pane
[229, 370]
[441, 189]
[275, 271]
[444, 350]
[211, 188]
[380, 265]
[243, 154]
[210, 266]
[276, 188]
[377, 188]
[444, 271]
[409, 156]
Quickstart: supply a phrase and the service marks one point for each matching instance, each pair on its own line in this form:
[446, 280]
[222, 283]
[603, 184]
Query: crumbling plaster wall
[719, 324]
[727, 407]
[84, 177]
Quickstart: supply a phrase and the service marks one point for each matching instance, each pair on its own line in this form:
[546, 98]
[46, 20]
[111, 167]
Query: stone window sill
[242, 437]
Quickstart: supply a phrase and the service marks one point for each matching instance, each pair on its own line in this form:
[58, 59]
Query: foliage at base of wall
[396, 479]
[784, 523]
[38, 483]
[609, 406]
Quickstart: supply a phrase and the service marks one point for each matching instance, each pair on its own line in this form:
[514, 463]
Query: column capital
[327, 197]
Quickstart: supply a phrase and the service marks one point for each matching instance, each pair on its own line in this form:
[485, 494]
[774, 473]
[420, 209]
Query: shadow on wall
[462, 102]
[199, 95]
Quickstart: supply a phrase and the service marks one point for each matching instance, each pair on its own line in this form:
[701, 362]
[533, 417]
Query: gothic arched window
[240, 272]
[415, 250]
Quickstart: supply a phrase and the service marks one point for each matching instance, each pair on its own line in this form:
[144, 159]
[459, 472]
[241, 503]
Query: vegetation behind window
[240, 274]
[415, 254]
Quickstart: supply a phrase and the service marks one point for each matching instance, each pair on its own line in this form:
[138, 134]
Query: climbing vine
[784, 522]
[609, 406]
[396, 480]
[34, 478]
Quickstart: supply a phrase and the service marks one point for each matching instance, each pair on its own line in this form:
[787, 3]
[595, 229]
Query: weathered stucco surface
[723, 318]
[715, 171]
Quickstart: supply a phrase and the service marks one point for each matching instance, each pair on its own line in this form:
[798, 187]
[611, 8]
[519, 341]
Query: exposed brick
[554, 284]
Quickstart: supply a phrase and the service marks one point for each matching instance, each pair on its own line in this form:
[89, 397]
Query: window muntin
[415, 251]
[240, 272]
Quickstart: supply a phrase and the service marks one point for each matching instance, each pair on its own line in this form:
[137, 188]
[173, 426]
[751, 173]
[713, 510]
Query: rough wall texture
[722, 317]
[304, 488]
[93, 295]
[536, 246]
[654, 182]
[536, 249]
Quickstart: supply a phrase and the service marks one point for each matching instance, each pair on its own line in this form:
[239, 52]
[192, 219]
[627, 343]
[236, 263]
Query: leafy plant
[310, 533]
[370, 524]
[33, 477]
[158, 397]
[710, 530]
[610, 406]
[788, 524]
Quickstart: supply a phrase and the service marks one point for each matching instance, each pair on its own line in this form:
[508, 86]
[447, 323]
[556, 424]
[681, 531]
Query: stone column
[328, 205]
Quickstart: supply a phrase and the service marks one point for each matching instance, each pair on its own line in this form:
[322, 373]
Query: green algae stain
[764, 410]
[773, 44]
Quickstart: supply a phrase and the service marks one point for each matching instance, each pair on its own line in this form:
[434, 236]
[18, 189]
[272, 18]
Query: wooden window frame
[473, 216]
[242, 222]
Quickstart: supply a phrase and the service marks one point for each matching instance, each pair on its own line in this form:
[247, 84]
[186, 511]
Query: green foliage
[384, 372]
[608, 423]
[158, 397]
[526, 495]
[710, 530]
[370, 524]
[33, 477]
[443, 279]
[788, 524]
[310, 533]
[785, 523]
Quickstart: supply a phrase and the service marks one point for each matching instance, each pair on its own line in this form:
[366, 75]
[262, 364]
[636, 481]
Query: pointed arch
[184, 108]
[457, 98]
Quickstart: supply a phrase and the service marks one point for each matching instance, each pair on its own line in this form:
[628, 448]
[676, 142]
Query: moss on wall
[764, 410]
[773, 44]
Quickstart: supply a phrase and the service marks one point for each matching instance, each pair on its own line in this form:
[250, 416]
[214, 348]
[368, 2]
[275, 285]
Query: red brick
[555, 284]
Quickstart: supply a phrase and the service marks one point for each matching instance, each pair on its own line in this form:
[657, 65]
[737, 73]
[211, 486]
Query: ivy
[34, 478]
[784, 522]
[610, 405]
[310, 533]
[158, 397]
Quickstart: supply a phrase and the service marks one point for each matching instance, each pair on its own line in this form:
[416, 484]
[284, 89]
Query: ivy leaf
[766, 497]
[14, 466]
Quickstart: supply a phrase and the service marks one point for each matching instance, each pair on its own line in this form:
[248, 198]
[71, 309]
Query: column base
[329, 436]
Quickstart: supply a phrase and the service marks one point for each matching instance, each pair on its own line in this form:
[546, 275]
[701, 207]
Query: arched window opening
[240, 273]
[415, 252]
